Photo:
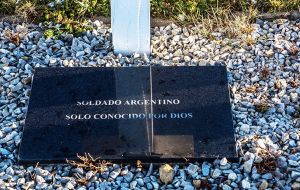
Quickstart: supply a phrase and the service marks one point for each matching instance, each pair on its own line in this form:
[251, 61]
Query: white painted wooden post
[130, 21]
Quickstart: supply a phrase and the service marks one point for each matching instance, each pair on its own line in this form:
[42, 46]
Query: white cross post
[130, 21]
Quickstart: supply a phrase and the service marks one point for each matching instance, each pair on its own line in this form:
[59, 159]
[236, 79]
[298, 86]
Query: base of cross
[130, 24]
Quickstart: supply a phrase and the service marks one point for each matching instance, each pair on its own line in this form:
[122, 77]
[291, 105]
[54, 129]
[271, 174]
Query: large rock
[166, 173]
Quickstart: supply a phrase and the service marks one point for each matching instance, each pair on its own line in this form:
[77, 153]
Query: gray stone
[192, 169]
[223, 162]
[226, 187]
[232, 176]
[248, 166]
[114, 174]
[205, 169]
[246, 184]
[128, 177]
[216, 173]
[140, 181]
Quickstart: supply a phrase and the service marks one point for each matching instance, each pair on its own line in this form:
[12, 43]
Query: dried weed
[87, 162]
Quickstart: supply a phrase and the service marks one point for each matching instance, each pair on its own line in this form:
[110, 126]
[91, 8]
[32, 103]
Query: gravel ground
[264, 80]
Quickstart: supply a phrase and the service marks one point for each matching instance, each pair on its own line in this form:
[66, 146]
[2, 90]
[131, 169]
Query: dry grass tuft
[264, 73]
[87, 162]
[13, 37]
[16, 36]
[230, 24]
[251, 89]
[268, 164]
[277, 4]
[262, 107]
[26, 11]
[248, 40]
[7, 7]
[294, 50]
[294, 84]
[268, 155]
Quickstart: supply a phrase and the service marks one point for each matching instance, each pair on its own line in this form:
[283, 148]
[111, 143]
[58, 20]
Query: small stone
[261, 143]
[216, 173]
[28, 185]
[4, 152]
[296, 186]
[149, 186]
[258, 159]
[17, 87]
[10, 171]
[153, 178]
[187, 59]
[97, 23]
[8, 137]
[65, 63]
[147, 179]
[155, 185]
[4, 60]
[255, 79]
[269, 53]
[192, 169]
[28, 68]
[52, 61]
[246, 184]
[294, 97]
[264, 185]
[124, 171]
[140, 181]
[27, 80]
[245, 128]
[267, 176]
[293, 163]
[21, 181]
[133, 184]
[78, 170]
[223, 162]
[295, 174]
[226, 187]
[114, 174]
[188, 187]
[205, 169]
[79, 53]
[69, 185]
[248, 166]
[176, 38]
[128, 177]
[281, 161]
[87, 51]
[150, 170]
[232, 176]
[290, 110]
[4, 51]
[39, 179]
[197, 183]
[166, 173]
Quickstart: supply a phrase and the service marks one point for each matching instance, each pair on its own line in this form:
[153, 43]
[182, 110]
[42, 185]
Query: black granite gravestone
[155, 114]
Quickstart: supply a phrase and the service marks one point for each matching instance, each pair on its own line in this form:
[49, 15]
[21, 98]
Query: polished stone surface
[201, 126]
[126, 114]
